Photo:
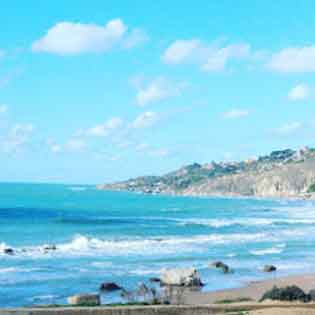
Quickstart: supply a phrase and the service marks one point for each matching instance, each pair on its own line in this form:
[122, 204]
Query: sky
[99, 91]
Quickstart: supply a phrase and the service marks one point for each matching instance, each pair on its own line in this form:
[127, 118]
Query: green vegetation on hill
[282, 172]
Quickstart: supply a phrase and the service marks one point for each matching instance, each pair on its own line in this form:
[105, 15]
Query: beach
[252, 291]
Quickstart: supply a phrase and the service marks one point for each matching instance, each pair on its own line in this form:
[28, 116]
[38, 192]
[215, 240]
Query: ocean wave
[77, 188]
[83, 245]
[219, 223]
[18, 270]
[269, 251]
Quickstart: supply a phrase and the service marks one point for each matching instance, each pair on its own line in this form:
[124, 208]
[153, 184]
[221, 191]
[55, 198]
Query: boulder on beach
[110, 286]
[181, 277]
[269, 268]
[312, 295]
[289, 293]
[85, 300]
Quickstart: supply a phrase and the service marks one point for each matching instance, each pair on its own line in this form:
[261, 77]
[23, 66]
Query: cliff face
[285, 173]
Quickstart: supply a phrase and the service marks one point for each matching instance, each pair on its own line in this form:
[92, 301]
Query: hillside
[283, 173]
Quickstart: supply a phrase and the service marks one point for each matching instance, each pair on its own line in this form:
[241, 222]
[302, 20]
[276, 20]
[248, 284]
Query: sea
[127, 238]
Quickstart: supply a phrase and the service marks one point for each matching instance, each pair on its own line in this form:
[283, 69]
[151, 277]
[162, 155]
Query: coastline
[253, 290]
[217, 302]
[309, 197]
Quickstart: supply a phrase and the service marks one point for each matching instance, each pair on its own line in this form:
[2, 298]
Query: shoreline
[252, 290]
[200, 303]
[310, 197]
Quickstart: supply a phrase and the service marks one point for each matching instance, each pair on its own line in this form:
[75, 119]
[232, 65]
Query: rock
[155, 279]
[50, 247]
[219, 264]
[85, 300]
[225, 268]
[290, 293]
[110, 286]
[8, 251]
[181, 277]
[312, 295]
[269, 268]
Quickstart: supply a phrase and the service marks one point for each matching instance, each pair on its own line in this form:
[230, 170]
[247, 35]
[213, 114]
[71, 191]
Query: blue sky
[95, 91]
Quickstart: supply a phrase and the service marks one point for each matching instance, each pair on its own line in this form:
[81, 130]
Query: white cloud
[299, 93]
[144, 120]
[142, 147]
[104, 129]
[18, 136]
[136, 37]
[56, 148]
[75, 145]
[157, 90]
[182, 51]
[236, 113]
[289, 128]
[208, 56]
[67, 38]
[159, 152]
[3, 108]
[293, 59]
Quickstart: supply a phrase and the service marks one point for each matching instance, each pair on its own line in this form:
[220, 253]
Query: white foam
[83, 245]
[218, 223]
[77, 188]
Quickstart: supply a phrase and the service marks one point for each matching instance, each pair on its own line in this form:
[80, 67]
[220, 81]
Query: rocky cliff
[283, 173]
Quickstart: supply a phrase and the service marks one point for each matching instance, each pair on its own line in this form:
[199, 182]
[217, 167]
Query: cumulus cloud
[293, 59]
[18, 136]
[67, 38]
[299, 93]
[144, 120]
[157, 90]
[235, 113]
[136, 37]
[159, 152]
[103, 130]
[75, 145]
[289, 128]
[209, 56]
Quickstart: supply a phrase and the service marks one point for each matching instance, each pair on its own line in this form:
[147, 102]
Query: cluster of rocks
[45, 249]
[171, 278]
[289, 293]
[8, 251]
[226, 269]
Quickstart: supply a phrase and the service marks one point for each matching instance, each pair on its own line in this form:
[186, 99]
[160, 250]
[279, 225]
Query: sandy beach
[253, 290]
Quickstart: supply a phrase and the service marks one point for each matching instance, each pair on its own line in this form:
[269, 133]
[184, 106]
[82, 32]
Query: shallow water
[127, 238]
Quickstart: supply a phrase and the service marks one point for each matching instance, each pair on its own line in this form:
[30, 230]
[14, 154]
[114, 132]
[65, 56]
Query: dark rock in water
[50, 247]
[8, 251]
[269, 268]
[225, 268]
[219, 264]
[155, 279]
[110, 286]
[290, 293]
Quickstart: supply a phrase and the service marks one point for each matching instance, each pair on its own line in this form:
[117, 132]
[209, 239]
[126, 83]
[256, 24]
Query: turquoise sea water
[127, 238]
